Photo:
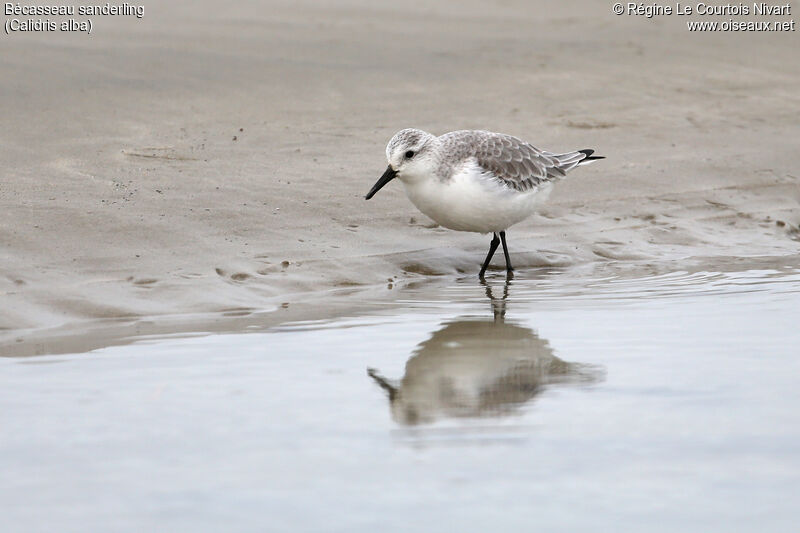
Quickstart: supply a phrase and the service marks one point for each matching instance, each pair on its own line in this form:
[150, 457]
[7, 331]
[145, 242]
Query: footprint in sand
[237, 276]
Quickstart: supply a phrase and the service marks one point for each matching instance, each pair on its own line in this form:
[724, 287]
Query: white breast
[472, 201]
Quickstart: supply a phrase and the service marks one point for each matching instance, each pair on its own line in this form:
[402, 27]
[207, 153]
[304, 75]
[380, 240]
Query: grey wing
[520, 165]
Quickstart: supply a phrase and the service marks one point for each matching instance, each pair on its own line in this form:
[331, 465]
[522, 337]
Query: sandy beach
[205, 159]
[204, 326]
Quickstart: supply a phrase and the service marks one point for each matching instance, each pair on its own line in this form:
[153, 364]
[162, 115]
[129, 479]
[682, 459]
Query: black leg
[492, 247]
[509, 268]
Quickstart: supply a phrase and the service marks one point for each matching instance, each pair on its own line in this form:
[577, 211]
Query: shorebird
[473, 180]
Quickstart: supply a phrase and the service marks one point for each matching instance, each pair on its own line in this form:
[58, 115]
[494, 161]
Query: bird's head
[409, 154]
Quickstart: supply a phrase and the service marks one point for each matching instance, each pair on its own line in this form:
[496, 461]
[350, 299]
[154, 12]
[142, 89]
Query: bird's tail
[568, 161]
[588, 157]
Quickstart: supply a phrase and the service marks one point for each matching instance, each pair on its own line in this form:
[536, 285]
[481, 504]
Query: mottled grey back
[510, 160]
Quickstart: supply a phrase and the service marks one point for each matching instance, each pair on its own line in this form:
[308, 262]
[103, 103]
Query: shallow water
[666, 403]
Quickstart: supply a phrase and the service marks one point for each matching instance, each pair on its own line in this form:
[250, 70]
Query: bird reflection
[477, 367]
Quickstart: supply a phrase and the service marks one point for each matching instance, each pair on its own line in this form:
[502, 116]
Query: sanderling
[475, 180]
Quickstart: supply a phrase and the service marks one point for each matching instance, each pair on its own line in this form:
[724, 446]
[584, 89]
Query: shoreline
[332, 304]
[191, 163]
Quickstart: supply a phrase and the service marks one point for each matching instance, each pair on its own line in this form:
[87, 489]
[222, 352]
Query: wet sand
[206, 161]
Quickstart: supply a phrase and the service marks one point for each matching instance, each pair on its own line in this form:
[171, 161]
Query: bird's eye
[409, 154]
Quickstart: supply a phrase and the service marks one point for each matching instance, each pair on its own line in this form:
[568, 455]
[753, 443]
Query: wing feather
[517, 164]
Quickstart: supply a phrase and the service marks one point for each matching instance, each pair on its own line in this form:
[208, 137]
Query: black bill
[388, 176]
